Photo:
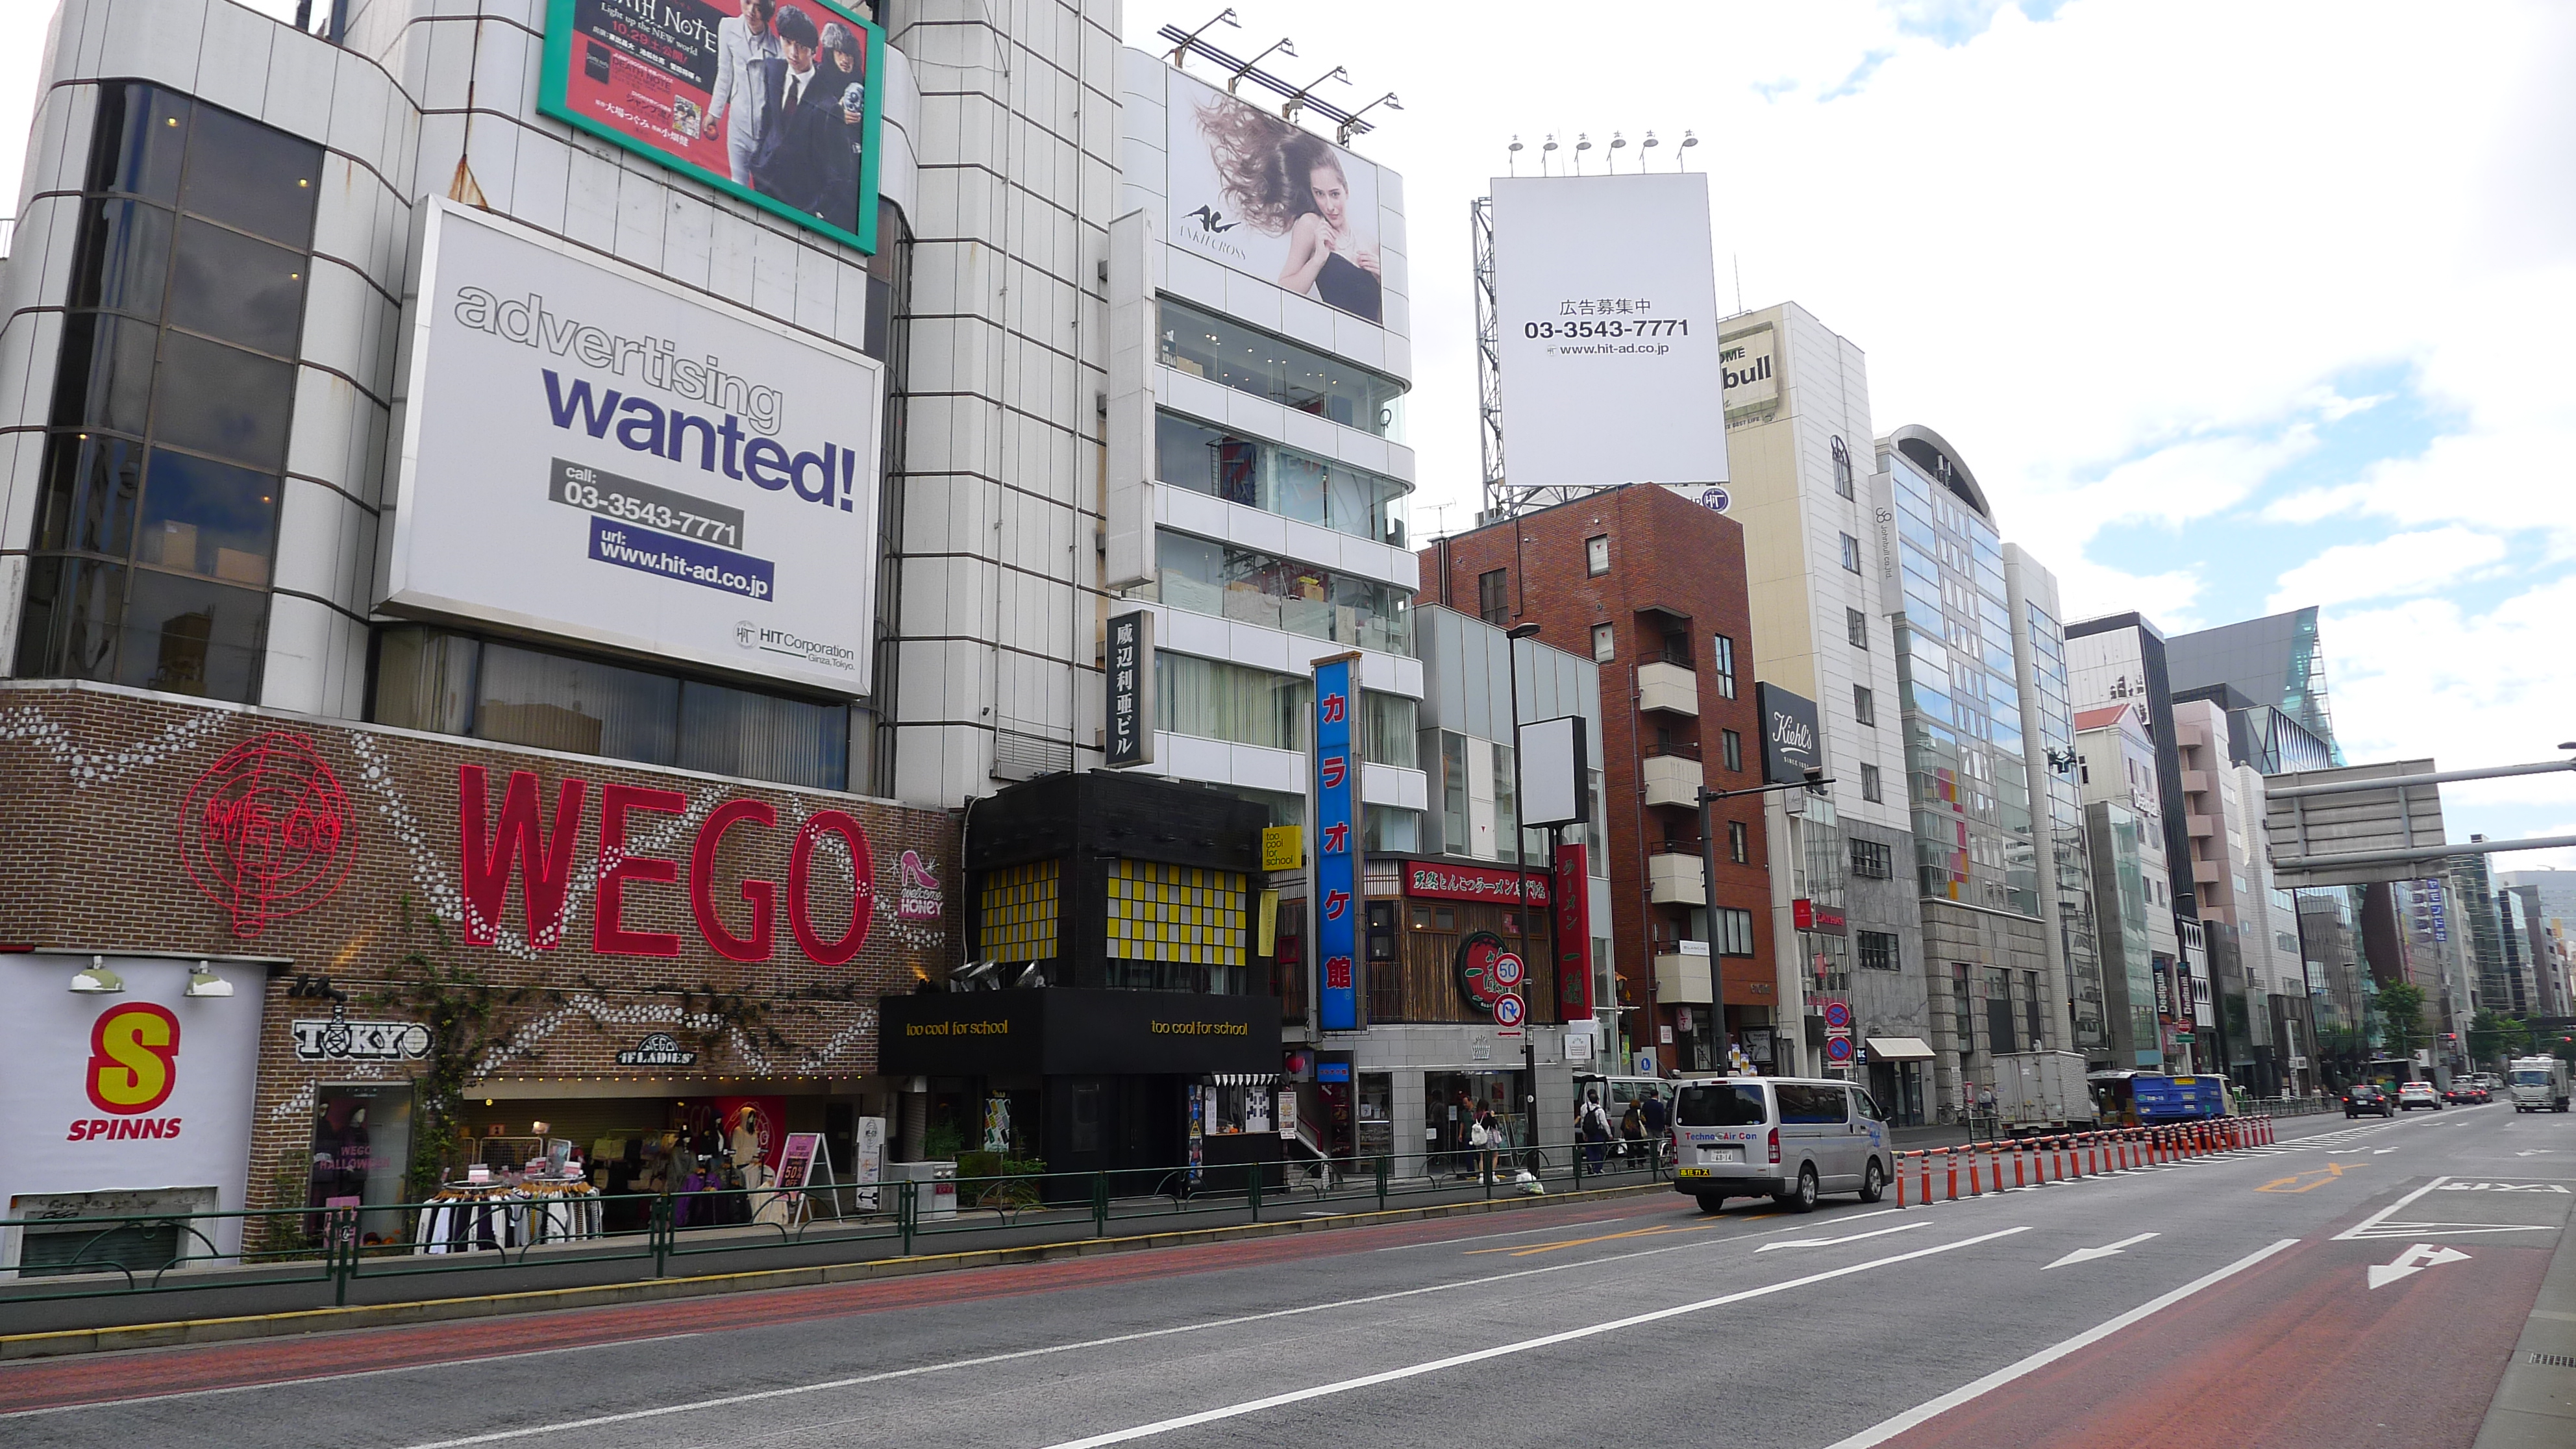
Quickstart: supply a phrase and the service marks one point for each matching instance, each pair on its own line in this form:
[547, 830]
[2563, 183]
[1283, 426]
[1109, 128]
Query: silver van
[1788, 1138]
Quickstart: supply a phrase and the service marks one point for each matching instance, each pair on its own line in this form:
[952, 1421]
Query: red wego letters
[538, 848]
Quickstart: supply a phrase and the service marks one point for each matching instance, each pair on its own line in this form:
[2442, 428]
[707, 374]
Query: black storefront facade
[1113, 1014]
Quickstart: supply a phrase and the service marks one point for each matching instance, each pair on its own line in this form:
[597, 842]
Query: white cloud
[2401, 564]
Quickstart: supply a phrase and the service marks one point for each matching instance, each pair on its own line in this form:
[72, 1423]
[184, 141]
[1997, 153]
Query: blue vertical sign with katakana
[1336, 850]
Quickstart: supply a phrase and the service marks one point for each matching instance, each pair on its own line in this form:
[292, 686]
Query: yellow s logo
[133, 1058]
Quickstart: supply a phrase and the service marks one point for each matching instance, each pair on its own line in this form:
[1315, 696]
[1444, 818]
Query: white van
[1788, 1138]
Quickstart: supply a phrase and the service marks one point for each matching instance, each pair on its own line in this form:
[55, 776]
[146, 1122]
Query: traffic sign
[1837, 1016]
[1838, 1049]
[1508, 1010]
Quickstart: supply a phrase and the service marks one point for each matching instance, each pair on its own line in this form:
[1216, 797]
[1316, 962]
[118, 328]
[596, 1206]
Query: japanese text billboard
[1607, 301]
[591, 451]
[1338, 903]
[774, 101]
[1258, 195]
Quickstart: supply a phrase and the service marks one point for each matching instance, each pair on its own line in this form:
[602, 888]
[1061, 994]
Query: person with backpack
[1592, 1127]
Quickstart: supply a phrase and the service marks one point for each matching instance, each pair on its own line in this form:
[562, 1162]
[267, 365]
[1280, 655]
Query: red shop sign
[1436, 881]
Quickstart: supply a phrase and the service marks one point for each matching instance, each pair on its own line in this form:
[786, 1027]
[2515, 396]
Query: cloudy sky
[2233, 308]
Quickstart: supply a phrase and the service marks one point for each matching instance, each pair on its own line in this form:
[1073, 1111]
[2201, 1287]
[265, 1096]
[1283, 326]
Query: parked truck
[2539, 1084]
[2042, 1092]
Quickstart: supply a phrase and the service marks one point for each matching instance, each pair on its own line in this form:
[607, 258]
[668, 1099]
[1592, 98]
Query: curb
[60, 1342]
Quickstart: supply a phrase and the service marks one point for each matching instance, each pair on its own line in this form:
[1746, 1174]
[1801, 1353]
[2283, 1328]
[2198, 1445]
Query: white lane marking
[1830, 1242]
[409, 1368]
[857, 1380]
[1920, 1413]
[1299, 1396]
[2362, 1229]
[2413, 1261]
[2087, 1255]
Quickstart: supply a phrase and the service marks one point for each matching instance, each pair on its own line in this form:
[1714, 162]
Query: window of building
[1207, 577]
[1732, 744]
[1870, 789]
[1725, 659]
[1242, 705]
[1856, 628]
[1230, 354]
[1734, 932]
[1864, 705]
[1206, 458]
[457, 684]
[1851, 553]
[1739, 843]
[1605, 643]
[1877, 950]
[1493, 598]
[159, 486]
[1872, 859]
[1842, 468]
[1454, 837]
[1596, 555]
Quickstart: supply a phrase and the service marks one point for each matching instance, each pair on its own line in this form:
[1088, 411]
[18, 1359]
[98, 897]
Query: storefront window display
[1374, 1109]
[1452, 1101]
[361, 1149]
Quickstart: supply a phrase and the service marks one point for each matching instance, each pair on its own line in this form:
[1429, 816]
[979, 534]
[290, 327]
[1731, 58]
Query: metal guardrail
[321, 1248]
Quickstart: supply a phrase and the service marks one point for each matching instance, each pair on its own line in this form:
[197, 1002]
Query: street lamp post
[1708, 865]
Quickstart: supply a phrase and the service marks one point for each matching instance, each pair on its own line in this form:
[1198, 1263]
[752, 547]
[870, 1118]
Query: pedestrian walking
[1632, 1135]
[1483, 1137]
[1592, 1126]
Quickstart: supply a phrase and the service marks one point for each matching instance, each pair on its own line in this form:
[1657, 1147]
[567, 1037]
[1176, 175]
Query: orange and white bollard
[1900, 1179]
[1954, 1174]
[1925, 1157]
[2018, 1146]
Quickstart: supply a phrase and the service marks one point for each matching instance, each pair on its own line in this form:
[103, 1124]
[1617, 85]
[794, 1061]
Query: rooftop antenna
[1284, 47]
[1224, 17]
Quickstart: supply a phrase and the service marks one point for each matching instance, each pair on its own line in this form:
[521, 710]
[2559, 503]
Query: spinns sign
[595, 452]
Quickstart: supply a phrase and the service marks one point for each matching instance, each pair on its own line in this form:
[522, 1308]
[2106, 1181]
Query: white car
[2411, 1095]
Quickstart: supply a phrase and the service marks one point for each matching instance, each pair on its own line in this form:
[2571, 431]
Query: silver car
[1792, 1139]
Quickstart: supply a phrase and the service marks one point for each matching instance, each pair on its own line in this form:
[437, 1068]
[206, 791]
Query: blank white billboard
[1607, 295]
[592, 451]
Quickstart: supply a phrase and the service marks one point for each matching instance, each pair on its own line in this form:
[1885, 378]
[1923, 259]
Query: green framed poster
[773, 101]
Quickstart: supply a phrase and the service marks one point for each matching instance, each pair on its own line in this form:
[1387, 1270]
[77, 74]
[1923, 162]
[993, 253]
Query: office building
[2277, 660]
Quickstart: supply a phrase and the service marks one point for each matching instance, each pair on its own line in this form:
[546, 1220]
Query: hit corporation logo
[746, 634]
[133, 1067]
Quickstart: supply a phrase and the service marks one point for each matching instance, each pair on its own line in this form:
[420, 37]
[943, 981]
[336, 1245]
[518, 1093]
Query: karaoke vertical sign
[1337, 885]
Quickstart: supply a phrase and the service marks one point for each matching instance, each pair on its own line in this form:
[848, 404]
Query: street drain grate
[2554, 1360]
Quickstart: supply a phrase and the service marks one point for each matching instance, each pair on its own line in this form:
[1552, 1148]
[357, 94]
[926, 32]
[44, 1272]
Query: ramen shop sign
[536, 841]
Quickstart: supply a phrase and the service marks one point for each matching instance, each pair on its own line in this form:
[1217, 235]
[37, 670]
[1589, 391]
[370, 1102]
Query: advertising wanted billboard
[592, 451]
[1607, 302]
[773, 101]
[1272, 200]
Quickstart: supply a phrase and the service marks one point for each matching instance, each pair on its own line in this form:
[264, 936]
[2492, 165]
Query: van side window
[1804, 1106]
[1867, 1106]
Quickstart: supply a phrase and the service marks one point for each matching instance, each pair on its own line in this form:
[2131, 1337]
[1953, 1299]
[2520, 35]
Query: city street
[2354, 1283]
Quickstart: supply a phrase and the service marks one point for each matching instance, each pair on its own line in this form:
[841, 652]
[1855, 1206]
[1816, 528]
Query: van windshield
[2529, 1078]
[1720, 1105]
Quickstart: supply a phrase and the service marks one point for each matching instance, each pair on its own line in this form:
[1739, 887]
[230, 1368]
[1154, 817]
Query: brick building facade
[1665, 578]
[611, 901]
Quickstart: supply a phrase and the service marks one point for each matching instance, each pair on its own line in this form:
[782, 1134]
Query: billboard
[137, 1100]
[1256, 194]
[1340, 893]
[1606, 297]
[1792, 738]
[774, 101]
[591, 451]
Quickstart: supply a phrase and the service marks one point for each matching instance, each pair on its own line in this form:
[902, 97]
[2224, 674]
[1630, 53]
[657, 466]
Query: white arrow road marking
[2535, 1152]
[2382, 1151]
[2087, 1255]
[2414, 1260]
[1829, 1242]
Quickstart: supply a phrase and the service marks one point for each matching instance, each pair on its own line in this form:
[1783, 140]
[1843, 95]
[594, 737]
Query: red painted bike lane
[2300, 1349]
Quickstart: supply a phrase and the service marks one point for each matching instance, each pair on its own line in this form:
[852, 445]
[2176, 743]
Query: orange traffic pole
[2017, 1155]
[1926, 1158]
[1900, 1179]
[1954, 1174]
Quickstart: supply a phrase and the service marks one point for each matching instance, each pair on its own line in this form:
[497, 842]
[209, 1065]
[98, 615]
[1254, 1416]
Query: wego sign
[266, 832]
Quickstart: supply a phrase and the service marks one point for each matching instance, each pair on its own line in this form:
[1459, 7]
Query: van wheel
[1710, 1202]
[1802, 1198]
[1872, 1185]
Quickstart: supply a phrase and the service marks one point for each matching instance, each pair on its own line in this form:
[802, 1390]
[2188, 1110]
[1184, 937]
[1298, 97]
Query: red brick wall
[1666, 553]
[95, 794]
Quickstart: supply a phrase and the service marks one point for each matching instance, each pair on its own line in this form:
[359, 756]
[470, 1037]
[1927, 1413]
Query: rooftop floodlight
[1351, 122]
[1297, 101]
[1689, 139]
[1224, 17]
[1582, 143]
[1546, 151]
[1618, 143]
[1236, 79]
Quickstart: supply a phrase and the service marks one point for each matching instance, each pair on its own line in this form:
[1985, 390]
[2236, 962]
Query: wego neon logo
[133, 1066]
[265, 832]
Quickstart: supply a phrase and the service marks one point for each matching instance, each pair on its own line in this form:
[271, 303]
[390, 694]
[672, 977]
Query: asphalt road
[2238, 1310]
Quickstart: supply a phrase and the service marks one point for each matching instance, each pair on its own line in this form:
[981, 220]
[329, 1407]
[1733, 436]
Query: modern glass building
[2275, 660]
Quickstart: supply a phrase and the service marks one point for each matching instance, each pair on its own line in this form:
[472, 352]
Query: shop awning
[1898, 1049]
[1242, 1079]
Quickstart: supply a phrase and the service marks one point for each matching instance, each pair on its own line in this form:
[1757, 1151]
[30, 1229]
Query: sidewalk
[2535, 1405]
